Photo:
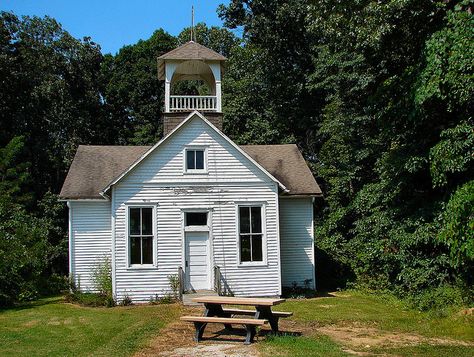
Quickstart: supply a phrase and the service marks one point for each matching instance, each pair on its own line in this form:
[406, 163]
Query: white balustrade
[193, 102]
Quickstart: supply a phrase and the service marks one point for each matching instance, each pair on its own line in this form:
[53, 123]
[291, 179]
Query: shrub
[439, 300]
[102, 276]
[89, 299]
[165, 299]
[174, 285]
[126, 300]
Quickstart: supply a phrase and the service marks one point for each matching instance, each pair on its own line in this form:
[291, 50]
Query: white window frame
[262, 206]
[127, 235]
[204, 149]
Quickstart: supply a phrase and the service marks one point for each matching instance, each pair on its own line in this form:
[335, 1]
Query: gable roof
[94, 166]
[194, 114]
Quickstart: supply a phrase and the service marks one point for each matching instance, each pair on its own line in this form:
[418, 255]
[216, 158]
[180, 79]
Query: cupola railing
[193, 102]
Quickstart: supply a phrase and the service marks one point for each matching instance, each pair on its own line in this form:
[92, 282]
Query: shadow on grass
[238, 335]
[33, 304]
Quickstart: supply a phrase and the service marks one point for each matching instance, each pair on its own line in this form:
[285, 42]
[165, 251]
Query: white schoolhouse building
[194, 203]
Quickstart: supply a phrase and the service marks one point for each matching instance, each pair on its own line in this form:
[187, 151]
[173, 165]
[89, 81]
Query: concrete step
[187, 297]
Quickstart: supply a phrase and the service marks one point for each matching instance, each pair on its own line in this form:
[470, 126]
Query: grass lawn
[373, 316]
[50, 327]
[331, 326]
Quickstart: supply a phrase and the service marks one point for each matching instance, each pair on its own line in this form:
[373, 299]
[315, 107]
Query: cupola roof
[189, 51]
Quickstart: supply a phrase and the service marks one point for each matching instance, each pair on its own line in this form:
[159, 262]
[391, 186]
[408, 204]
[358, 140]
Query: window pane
[134, 221]
[244, 218]
[200, 159]
[256, 219]
[190, 162]
[196, 218]
[244, 248]
[147, 221]
[257, 251]
[147, 247]
[135, 250]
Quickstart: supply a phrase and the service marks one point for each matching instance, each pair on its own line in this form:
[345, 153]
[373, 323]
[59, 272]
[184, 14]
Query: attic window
[195, 160]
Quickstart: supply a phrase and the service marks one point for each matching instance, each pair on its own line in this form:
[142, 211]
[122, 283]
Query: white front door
[197, 261]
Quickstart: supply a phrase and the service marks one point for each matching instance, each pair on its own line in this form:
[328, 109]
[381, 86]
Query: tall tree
[133, 95]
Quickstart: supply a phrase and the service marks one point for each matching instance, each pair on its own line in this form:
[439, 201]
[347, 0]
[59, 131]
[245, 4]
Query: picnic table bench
[215, 313]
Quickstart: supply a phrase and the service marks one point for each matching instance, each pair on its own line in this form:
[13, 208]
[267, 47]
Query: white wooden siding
[296, 241]
[90, 238]
[160, 180]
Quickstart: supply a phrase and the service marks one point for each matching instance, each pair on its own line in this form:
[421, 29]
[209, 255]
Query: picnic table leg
[265, 312]
[216, 310]
[199, 326]
[251, 331]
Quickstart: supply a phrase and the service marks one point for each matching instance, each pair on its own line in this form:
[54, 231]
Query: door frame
[204, 229]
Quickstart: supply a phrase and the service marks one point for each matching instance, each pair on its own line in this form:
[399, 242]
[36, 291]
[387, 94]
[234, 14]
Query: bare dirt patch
[366, 337]
[176, 340]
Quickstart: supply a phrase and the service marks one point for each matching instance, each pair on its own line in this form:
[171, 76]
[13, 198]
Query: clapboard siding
[296, 241]
[231, 179]
[90, 240]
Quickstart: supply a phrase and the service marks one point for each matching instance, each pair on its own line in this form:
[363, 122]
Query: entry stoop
[187, 297]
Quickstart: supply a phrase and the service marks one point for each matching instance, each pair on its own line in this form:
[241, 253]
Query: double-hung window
[141, 235]
[195, 160]
[250, 233]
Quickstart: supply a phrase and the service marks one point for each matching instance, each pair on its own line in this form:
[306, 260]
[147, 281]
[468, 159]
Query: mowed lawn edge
[51, 327]
[376, 312]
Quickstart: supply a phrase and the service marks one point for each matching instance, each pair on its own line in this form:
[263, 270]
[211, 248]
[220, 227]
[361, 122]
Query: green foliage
[24, 253]
[133, 95]
[440, 301]
[102, 277]
[453, 153]
[174, 285]
[458, 225]
[449, 72]
[383, 93]
[89, 299]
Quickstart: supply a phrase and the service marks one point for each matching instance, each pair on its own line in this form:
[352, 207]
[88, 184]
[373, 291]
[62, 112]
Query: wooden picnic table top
[229, 300]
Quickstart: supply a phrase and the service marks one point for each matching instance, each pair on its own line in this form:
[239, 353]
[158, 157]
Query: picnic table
[215, 312]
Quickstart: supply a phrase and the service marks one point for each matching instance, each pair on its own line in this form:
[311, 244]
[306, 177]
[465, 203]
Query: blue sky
[115, 23]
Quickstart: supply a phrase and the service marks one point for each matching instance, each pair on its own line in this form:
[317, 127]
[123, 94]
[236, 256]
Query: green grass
[50, 327]
[300, 346]
[384, 313]
[424, 350]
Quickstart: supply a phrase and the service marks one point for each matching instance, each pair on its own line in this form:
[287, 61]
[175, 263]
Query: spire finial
[193, 35]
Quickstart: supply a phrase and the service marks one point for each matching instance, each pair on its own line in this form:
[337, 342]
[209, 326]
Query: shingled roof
[94, 167]
[192, 51]
[189, 51]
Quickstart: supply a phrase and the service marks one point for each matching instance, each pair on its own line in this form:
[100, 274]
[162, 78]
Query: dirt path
[176, 340]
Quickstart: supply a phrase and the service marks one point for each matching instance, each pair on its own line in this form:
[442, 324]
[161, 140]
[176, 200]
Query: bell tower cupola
[192, 75]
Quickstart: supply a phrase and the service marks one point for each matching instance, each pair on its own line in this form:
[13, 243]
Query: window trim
[154, 235]
[262, 206]
[185, 161]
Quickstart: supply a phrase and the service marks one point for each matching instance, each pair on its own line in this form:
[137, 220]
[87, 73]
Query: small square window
[196, 218]
[195, 159]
